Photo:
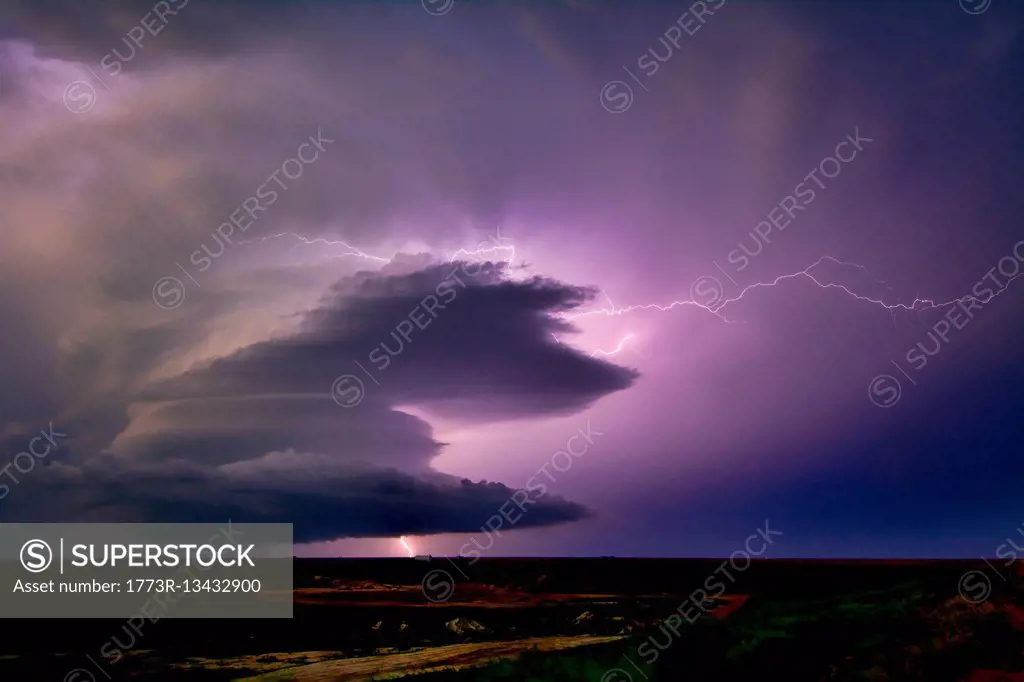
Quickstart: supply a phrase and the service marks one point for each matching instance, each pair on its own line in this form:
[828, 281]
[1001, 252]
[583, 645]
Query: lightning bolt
[605, 353]
[407, 547]
[354, 252]
[510, 249]
[351, 250]
[716, 307]
[926, 303]
[615, 351]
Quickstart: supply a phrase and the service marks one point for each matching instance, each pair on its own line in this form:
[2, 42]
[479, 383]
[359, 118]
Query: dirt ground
[424, 660]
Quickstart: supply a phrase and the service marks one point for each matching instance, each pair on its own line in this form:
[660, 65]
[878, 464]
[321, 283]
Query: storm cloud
[475, 253]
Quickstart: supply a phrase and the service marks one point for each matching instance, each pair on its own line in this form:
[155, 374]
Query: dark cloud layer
[257, 435]
[322, 500]
[491, 341]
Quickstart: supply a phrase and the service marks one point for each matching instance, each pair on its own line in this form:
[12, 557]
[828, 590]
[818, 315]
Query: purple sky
[584, 217]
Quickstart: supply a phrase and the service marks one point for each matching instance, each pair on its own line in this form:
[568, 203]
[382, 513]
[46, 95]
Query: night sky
[634, 277]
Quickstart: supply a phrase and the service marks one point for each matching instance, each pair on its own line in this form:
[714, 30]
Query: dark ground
[801, 620]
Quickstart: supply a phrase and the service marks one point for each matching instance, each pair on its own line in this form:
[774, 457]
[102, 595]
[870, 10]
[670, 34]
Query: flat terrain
[570, 620]
[455, 656]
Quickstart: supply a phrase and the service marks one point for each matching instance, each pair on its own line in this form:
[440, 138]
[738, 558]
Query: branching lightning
[495, 238]
[353, 252]
[716, 307]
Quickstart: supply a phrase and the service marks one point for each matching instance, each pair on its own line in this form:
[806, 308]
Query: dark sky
[749, 260]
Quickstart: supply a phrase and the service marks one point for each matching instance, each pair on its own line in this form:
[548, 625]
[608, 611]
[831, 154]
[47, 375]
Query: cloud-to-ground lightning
[406, 546]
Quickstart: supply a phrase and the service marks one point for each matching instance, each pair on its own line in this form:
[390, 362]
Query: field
[613, 620]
